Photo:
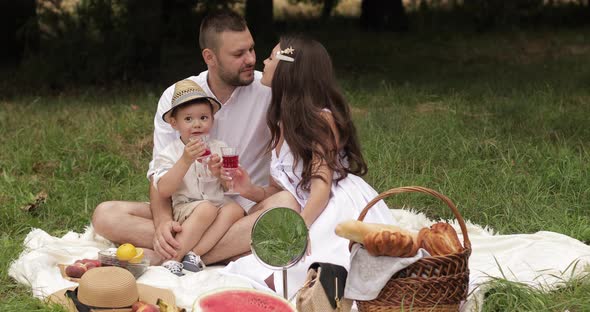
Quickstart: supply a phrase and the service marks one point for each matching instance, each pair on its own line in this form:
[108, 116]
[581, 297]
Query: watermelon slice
[241, 300]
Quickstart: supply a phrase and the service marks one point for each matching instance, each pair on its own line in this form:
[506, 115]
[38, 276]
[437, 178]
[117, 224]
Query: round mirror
[279, 238]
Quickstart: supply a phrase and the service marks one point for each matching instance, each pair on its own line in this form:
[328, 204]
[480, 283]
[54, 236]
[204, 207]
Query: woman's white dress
[347, 200]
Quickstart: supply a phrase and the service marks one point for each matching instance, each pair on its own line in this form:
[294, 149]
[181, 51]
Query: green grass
[571, 295]
[279, 237]
[500, 123]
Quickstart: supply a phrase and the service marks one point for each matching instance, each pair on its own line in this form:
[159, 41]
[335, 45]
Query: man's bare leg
[147, 225]
[236, 242]
[126, 222]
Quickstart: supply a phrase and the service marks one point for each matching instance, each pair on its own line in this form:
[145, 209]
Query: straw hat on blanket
[110, 289]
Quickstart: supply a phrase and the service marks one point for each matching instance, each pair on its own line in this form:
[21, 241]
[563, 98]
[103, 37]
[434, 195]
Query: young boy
[198, 202]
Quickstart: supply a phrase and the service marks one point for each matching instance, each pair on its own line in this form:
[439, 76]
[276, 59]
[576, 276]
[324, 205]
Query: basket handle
[420, 189]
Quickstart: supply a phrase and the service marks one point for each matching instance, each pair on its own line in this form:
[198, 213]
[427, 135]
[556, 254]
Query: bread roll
[387, 243]
[439, 240]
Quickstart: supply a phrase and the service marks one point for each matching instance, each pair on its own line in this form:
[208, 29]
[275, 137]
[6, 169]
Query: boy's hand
[215, 165]
[192, 150]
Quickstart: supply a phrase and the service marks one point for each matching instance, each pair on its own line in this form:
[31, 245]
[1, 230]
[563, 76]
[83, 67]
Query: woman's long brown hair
[300, 91]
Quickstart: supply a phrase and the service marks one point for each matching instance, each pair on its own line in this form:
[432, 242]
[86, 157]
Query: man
[228, 50]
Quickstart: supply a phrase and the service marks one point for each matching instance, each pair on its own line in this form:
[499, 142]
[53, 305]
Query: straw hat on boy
[109, 288]
[186, 91]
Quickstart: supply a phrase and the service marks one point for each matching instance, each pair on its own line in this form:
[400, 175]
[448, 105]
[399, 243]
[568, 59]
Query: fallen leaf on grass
[39, 200]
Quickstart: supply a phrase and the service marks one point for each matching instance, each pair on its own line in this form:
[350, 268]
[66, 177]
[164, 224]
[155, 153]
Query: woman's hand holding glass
[239, 178]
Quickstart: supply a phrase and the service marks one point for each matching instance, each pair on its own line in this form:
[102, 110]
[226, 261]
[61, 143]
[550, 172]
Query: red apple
[147, 307]
[137, 305]
[86, 261]
[76, 270]
[93, 261]
[90, 265]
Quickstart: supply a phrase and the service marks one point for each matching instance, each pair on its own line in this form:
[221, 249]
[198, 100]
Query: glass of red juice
[204, 158]
[205, 139]
[230, 165]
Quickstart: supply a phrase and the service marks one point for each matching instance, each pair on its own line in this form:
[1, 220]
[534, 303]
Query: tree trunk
[259, 15]
[327, 9]
[179, 20]
[383, 15]
[145, 38]
[19, 29]
[398, 20]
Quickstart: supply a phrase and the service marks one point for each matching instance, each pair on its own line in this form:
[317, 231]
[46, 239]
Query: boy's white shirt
[241, 123]
[191, 188]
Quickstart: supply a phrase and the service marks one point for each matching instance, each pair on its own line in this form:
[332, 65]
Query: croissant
[439, 240]
[387, 243]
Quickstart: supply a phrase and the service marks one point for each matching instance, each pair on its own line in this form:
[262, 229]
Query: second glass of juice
[230, 165]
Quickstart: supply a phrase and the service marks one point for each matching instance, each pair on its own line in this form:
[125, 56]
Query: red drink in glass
[204, 158]
[230, 166]
[230, 161]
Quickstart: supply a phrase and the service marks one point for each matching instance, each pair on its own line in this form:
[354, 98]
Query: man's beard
[234, 79]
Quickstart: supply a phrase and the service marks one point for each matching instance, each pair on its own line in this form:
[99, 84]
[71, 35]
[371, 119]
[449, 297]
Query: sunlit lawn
[500, 123]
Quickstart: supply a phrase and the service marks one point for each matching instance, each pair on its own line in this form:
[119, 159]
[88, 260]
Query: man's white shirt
[241, 123]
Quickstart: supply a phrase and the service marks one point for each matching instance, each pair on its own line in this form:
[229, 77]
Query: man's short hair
[217, 22]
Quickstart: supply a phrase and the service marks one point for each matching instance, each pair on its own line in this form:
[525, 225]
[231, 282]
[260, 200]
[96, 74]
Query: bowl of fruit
[126, 256]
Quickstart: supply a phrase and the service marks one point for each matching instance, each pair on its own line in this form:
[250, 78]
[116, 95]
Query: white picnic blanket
[37, 267]
[543, 259]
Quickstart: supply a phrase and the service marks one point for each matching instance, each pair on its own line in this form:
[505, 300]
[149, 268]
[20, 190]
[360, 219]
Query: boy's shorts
[182, 211]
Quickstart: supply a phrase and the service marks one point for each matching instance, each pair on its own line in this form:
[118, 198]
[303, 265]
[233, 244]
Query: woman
[315, 156]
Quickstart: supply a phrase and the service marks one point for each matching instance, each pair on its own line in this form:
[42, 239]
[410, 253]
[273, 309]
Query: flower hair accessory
[281, 55]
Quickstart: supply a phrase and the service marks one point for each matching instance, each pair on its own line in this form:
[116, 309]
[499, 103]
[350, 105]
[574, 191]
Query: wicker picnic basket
[434, 284]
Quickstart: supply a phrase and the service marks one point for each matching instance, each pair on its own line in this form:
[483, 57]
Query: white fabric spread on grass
[543, 259]
[37, 267]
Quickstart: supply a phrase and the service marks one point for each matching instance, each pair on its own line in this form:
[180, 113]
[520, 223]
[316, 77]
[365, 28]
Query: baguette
[356, 231]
